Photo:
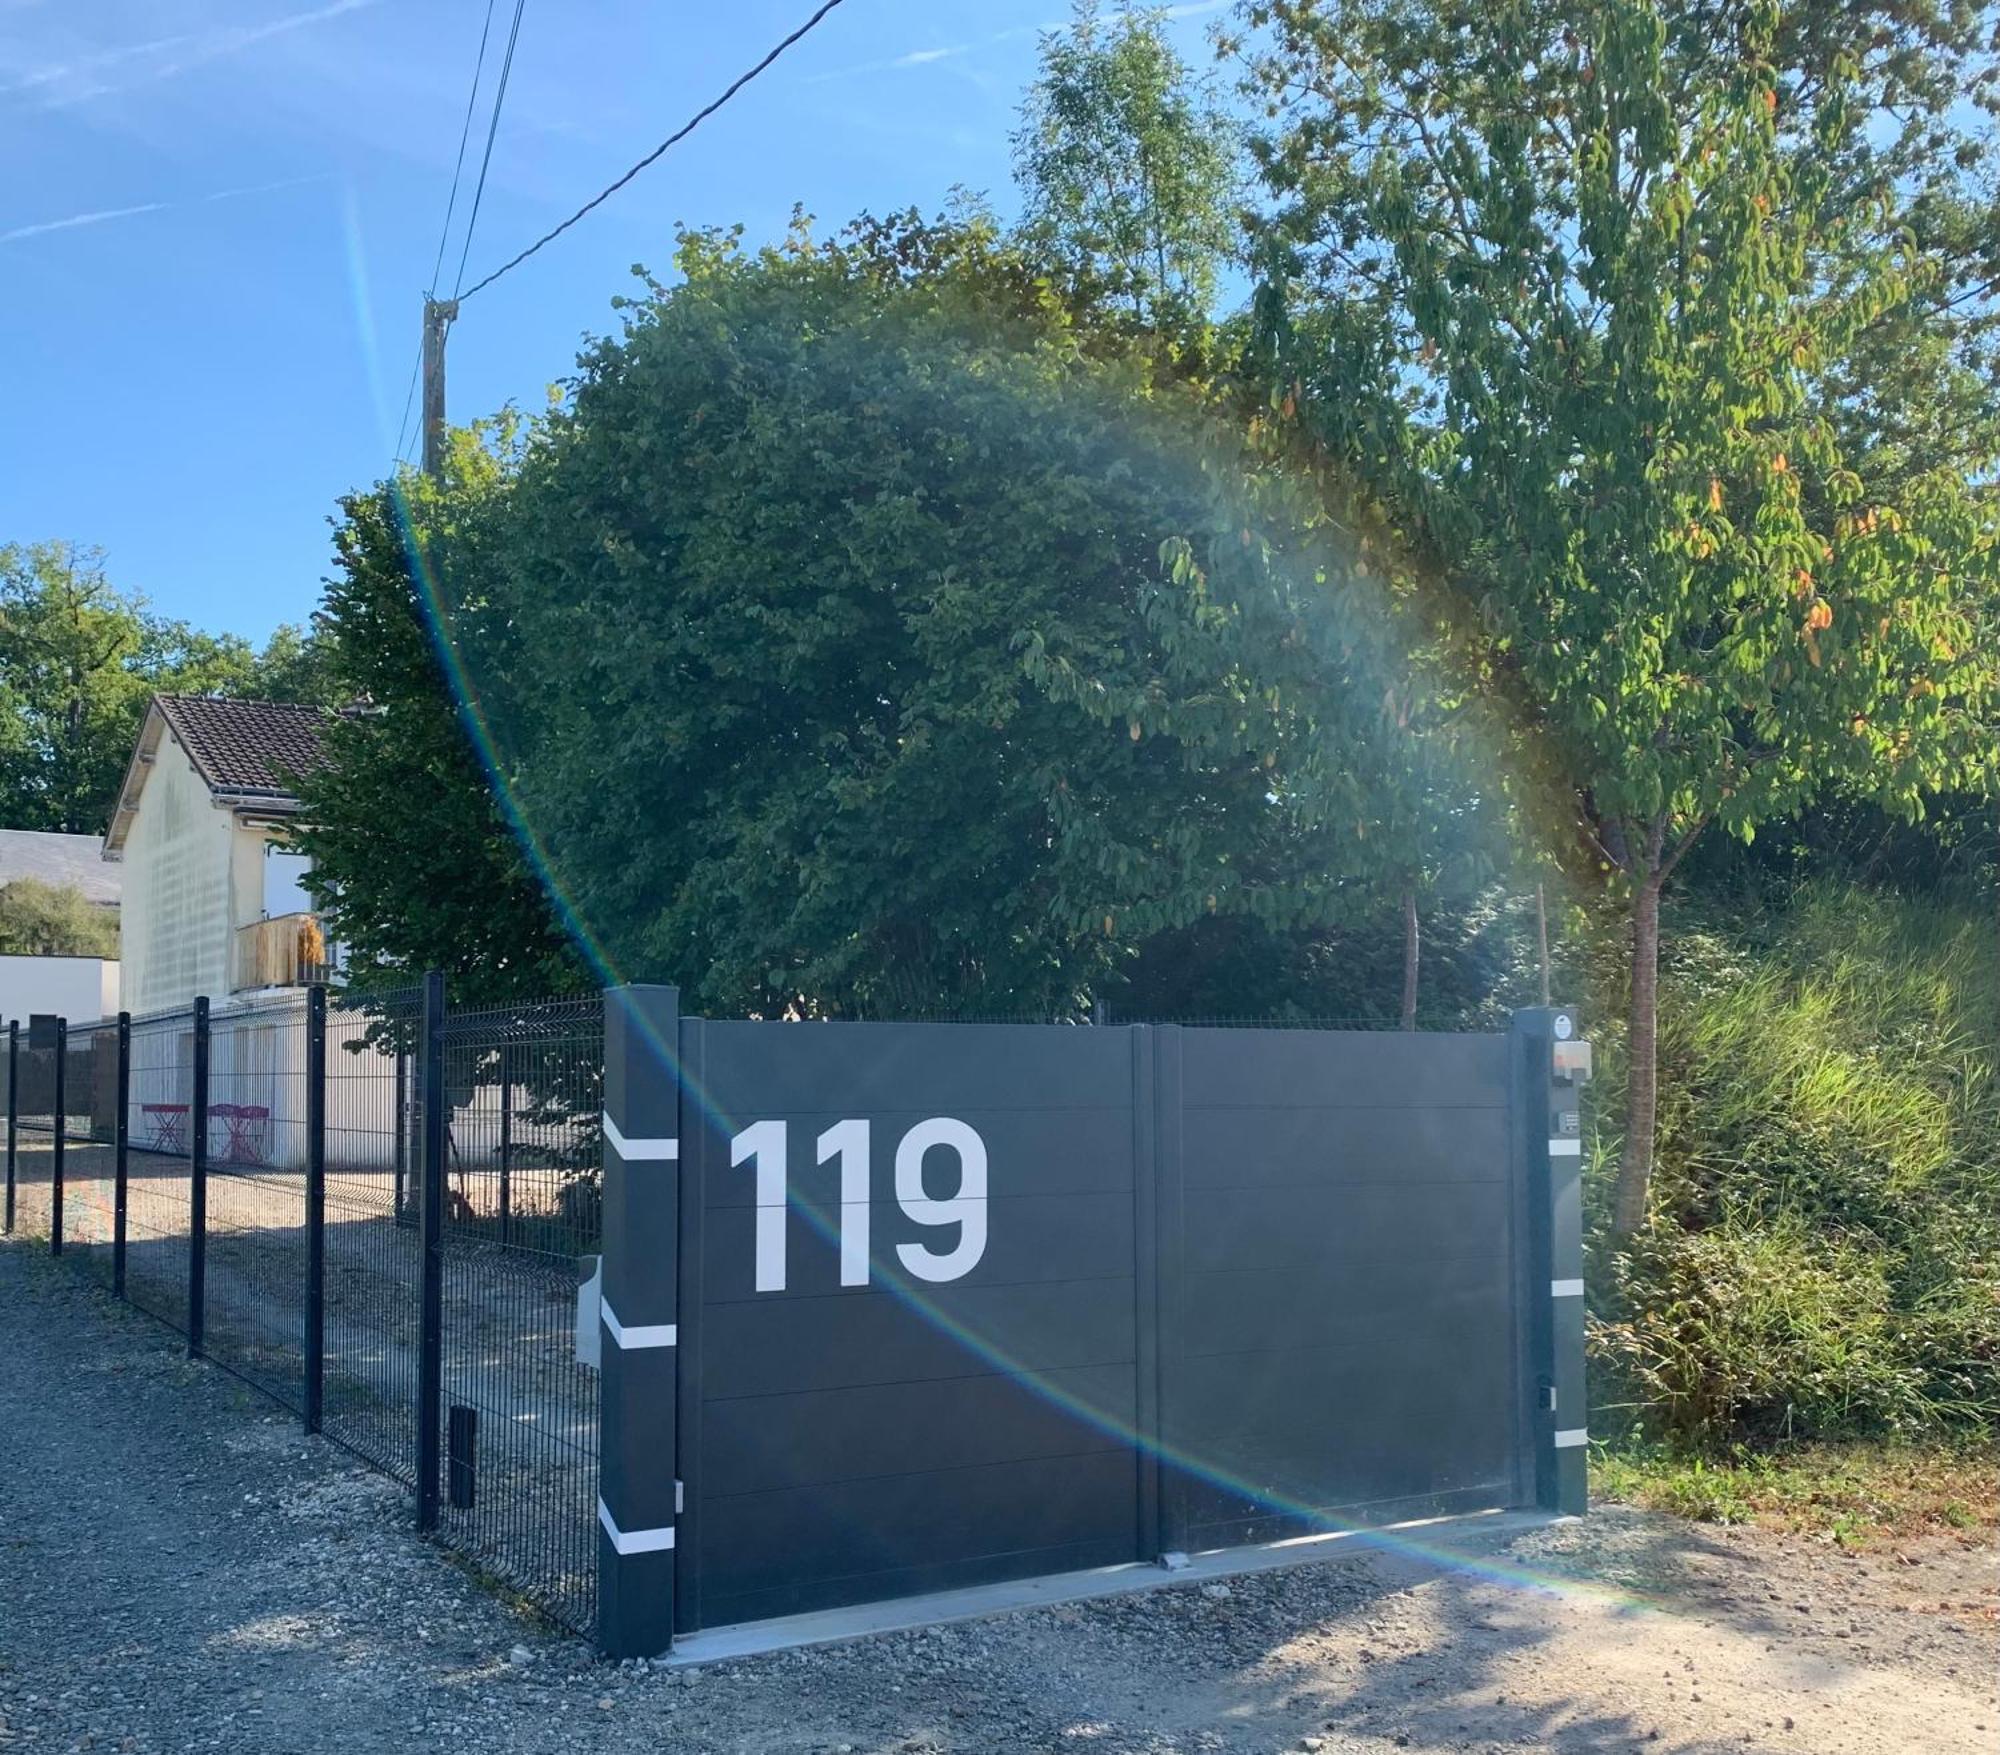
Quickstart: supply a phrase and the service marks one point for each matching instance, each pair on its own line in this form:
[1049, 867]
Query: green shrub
[1825, 1254]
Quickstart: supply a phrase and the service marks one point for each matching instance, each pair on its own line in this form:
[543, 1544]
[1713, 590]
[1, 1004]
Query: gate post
[1551, 1070]
[13, 1115]
[121, 1132]
[638, 1307]
[61, 1119]
[198, 1184]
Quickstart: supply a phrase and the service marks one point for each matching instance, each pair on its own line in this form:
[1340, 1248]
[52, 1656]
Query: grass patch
[1854, 1494]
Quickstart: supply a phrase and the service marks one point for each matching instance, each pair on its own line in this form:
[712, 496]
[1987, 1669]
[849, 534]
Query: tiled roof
[70, 862]
[251, 747]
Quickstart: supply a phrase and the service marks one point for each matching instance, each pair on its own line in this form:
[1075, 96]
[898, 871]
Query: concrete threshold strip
[1461, 1531]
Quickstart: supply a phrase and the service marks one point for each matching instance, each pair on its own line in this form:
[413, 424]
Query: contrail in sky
[168, 55]
[103, 215]
[951, 51]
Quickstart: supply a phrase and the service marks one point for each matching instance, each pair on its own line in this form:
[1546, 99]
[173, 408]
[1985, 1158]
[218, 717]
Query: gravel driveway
[181, 1570]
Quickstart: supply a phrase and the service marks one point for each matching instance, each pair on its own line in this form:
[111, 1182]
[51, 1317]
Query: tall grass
[1825, 1259]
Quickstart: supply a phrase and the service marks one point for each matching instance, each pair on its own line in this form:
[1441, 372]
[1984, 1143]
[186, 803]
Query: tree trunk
[1412, 950]
[1642, 1093]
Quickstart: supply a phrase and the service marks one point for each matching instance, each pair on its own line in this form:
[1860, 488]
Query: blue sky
[220, 216]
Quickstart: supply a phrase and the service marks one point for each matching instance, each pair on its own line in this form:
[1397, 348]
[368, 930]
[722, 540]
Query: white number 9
[966, 1209]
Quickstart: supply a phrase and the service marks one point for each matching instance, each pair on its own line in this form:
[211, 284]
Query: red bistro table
[246, 1123]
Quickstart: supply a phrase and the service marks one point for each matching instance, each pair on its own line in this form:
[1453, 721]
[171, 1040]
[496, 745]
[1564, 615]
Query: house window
[284, 887]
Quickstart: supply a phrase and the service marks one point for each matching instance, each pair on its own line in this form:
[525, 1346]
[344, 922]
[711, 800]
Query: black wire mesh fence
[255, 1318]
[521, 1231]
[158, 1191]
[218, 1235]
[90, 1158]
[374, 1263]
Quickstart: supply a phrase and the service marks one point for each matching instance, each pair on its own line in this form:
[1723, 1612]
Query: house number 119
[762, 1146]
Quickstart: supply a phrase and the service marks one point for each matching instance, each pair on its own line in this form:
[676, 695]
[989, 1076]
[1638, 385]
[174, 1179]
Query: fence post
[430, 1351]
[13, 1112]
[315, 1073]
[1551, 1067]
[61, 1128]
[506, 1142]
[198, 1183]
[121, 1140]
[400, 1127]
[638, 1310]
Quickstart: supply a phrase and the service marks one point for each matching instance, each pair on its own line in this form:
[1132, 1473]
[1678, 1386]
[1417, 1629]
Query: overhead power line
[450, 207]
[464, 135]
[679, 134]
[492, 130]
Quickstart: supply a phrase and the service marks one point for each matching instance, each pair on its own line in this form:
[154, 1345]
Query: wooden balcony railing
[287, 950]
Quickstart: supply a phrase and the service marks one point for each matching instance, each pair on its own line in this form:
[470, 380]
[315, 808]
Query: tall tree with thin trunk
[1569, 286]
[1127, 162]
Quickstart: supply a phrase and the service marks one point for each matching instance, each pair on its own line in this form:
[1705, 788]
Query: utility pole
[438, 315]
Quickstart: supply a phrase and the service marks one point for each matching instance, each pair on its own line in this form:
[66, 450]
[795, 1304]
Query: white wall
[82, 989]
[176, 918]
[256, 1056]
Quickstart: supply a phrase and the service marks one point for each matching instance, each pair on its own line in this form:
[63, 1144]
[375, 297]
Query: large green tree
[79, 659]
[832, 646]
[1575, 290]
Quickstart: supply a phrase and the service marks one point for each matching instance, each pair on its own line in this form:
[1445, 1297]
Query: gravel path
[180, 1570]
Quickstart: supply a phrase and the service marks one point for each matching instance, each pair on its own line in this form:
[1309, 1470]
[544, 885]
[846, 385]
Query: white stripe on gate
[657, 1334]
[637, 1151]
[1565, 1288]
[1570, 1439]
[1565, 1148]
[633, 1541]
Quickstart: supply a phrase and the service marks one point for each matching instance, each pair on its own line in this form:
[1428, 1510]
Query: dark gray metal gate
[1343, 1247]
[892, 1308]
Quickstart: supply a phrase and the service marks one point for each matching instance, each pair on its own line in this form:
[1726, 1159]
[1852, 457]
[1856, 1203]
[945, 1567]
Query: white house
[214, 906]
[213, 902]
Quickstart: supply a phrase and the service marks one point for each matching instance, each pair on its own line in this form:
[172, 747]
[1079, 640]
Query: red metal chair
[166, 1126]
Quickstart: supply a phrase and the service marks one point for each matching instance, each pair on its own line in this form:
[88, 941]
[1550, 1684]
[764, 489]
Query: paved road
[181, 1570]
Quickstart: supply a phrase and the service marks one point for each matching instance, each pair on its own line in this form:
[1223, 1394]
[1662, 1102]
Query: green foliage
[1128, 167]
[828, 649]
[78, 662]
[414, 863]
[1830, 1167]
[50, 920]
[1568, 290]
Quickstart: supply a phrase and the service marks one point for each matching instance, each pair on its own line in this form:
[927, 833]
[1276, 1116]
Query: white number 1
[762, 1146]
[848, 1141]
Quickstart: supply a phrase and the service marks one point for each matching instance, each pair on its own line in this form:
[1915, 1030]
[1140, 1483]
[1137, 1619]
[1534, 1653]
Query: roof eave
[127, 807]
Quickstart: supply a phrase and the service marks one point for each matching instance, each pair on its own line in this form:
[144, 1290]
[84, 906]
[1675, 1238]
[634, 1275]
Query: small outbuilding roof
[246, 751]
[70, 862]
